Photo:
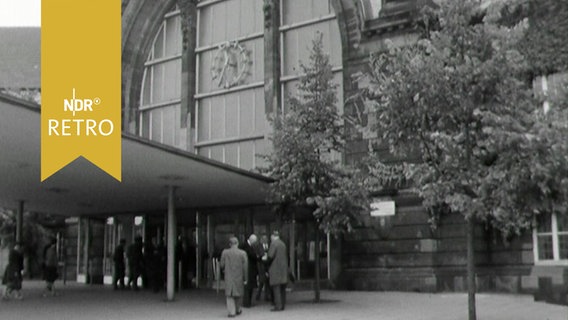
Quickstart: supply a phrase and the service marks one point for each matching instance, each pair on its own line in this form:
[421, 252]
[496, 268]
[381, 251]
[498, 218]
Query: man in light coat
[234, 264]
[278, 271]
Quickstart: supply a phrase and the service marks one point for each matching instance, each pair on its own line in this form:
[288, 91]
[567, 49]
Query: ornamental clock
[231, 64]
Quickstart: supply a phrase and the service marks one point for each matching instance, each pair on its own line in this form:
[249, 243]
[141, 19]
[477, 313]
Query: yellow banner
[80, 84]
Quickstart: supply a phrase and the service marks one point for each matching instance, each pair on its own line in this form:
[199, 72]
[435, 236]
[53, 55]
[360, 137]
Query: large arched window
[161, 85]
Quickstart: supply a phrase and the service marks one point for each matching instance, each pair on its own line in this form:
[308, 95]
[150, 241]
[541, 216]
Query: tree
[460, 101]
[306, 139]
[35, 234]
[545, 41]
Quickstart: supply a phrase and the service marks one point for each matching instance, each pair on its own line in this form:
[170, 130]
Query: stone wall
[404, 253]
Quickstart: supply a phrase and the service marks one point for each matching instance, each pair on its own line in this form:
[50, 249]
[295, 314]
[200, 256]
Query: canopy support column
[171, 244]
[20, 222]
[198, 244]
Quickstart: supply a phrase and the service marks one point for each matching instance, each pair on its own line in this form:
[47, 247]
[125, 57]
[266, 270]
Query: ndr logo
[80, 126]
[76, 105]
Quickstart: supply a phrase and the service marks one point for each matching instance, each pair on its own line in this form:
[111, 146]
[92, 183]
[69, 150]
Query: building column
[171, 242]
[86, 249]
[198, 259]
[83, 248]
[272, 89]
[20, 221]
[210, 249]
[188, 9]
[79, 241]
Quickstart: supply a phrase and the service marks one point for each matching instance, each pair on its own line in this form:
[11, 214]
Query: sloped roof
[83, 189]
[20, 57]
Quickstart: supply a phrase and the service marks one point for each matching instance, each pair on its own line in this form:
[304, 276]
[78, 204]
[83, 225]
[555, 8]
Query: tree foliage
[544, 44]
[460, 99]
[34, 232]
[307, 140]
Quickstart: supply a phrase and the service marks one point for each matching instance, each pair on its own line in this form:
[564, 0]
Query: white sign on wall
[382, 208]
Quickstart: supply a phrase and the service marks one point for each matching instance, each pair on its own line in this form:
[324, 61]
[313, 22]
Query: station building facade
[205, 77]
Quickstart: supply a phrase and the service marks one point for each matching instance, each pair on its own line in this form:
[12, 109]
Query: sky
[20, 13]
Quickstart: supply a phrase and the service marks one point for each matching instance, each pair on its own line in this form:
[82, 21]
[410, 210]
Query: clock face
[231, 65]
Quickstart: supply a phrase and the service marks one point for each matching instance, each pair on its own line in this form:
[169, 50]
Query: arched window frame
[160, 94]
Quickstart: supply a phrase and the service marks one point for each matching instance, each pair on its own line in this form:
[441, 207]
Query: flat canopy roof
[81, 188]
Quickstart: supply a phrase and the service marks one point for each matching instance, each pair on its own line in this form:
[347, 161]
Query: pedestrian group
[255, 264]
[14, 272]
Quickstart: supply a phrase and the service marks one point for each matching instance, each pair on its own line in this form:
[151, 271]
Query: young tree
[35, 234]
[306, 139]
[459, 99]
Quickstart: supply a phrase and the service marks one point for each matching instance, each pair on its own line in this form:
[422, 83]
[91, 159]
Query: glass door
[305, 251]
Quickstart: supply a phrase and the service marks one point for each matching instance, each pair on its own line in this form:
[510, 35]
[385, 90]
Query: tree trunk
[470, 232]
[317, 265]
[471, 269]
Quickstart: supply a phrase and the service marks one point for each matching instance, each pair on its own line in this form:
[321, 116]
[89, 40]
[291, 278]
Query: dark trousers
[263, 283]
[247, 298]
[156, 281]
[279, 293]
[118, 277]
[133, 276]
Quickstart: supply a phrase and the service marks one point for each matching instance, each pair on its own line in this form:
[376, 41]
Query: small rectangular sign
[382, 208]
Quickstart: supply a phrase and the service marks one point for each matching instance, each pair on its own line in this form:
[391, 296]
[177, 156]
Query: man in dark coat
[278, 271]
[250, 247]
[191, 263]
[135, 262]
[50, 262]
[263, 270]
[161, 256]
[119, 265]
[150, 264]
[185, 256]
[13, 273]
[234, 264]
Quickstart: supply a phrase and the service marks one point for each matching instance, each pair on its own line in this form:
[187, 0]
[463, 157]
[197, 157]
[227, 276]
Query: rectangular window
[161, 124]
[370, 9]
[550, 237]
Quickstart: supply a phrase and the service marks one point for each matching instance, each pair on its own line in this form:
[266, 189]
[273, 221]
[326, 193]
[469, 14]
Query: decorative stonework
[185, 7]
[231, 64]
[267, 8]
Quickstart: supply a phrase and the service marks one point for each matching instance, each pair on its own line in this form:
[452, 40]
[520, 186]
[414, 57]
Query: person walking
[278, 271]
[161, 256]
[150, 265]
[50, 267]
[262, 265]
[119, 266]
[135, 262]
[250, 247]
[234, 264]
[13, 274]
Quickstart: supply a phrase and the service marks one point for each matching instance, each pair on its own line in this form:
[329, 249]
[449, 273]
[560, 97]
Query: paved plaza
[97, 302]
